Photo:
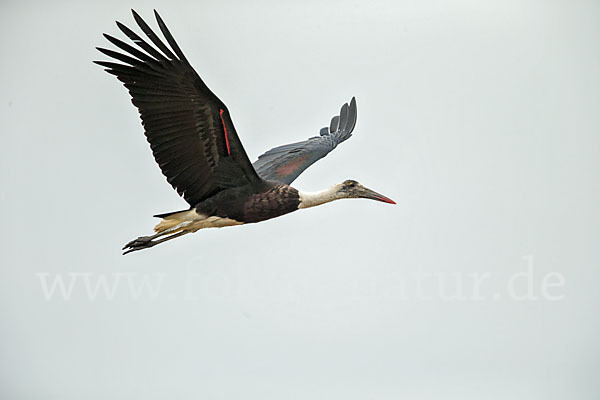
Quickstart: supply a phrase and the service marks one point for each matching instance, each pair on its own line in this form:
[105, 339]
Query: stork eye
[351, 183]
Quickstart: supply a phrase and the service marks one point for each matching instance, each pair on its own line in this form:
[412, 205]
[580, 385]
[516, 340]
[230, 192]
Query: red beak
[373, 195]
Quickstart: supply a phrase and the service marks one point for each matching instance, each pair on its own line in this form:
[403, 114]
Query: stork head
[351, 189]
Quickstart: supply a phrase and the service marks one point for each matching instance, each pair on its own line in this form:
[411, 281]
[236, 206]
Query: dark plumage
[184, 121]
[269, 200]
[197, 148]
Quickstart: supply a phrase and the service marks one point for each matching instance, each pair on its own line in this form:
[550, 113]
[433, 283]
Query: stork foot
[145, 242]
[142, 242]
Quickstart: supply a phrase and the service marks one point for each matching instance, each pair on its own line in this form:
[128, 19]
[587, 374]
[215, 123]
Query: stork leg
[145, 242]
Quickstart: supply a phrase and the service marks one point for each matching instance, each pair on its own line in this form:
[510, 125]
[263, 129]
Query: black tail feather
[170, 213]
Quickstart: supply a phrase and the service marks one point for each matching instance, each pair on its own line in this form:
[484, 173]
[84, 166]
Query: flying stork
[197, 148]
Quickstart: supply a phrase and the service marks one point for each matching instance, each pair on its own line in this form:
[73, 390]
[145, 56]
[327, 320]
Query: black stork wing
[285, 163]
[189, 129]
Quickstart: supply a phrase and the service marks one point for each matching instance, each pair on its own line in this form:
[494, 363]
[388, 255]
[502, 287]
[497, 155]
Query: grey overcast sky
[480, 118]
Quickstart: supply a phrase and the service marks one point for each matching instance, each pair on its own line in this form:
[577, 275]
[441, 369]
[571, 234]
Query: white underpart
[191, 221]
[311, 199]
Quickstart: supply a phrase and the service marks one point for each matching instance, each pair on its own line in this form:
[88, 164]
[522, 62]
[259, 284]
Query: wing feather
[285, 163]
[181, 116]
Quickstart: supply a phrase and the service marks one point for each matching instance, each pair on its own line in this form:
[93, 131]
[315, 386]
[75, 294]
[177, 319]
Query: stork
[197, 148]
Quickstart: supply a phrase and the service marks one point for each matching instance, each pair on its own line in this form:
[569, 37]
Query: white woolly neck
[311, 199]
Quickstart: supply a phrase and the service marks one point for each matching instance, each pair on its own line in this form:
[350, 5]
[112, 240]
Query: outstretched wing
[189, 129]
[285, 163]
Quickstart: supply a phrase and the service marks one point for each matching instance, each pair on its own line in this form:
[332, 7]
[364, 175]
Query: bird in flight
[197, 148]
